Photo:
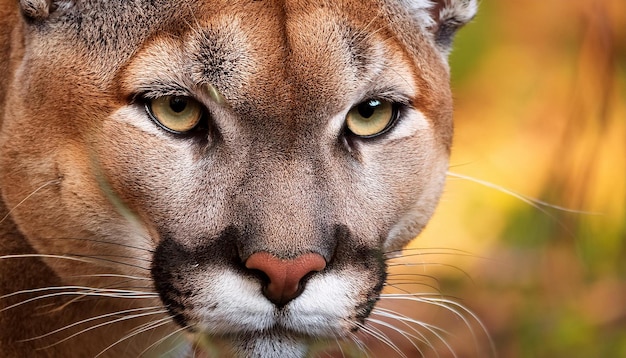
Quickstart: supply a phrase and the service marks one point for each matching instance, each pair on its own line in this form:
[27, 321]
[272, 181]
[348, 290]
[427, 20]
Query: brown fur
[86, 175]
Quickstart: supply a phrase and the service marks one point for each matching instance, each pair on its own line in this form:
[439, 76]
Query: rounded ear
[441, 18]
[449, 16]
[37, 9]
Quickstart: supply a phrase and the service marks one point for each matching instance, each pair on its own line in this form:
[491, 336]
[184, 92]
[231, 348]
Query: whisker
[385, 312]
[396, 286]
[349, 346]
[89, 320]
[421, 253]
[339, 346]
[71, 257]
[144, 327]
[130, 278]
[448, 305]
[124, 295]
[434, 330]
[101, 258]
[124, 285]
[135, 332]
[415, 280]
[108, 287]
[163, 339]
[408, 336]
[360, 345]
[56, 181]
[424, 251]
[444, 303]
[125, 318]
[472, 315]
[113, 286]
[376, 333]
[26, 256]
[106, 243]
[106, 258]
[52, 288]
[536, 203]
[424, 264]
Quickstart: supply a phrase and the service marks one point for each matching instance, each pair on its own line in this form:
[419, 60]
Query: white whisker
[142, 328]
[408, 336]
[26, 256]
[163, 339]
[437, 264]
[123, 295]
[125, 318]
[379, 311]
[434, 330]
[405, 254]
[450, 306]
[56, 181]
[72, 257]
[376, 333]
[102, 258]
[406, 319]
[100, 241]
[360, 345]
[138, 278]
[536, 203]
[90, 290]
[343, 355]
[89, 320]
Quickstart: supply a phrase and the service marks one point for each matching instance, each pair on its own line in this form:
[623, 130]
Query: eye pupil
[367, 109]
[178, 104]
[371, 117]
[177, 114]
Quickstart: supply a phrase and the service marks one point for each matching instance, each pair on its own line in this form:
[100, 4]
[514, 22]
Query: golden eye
[371, 118]
[178, 114]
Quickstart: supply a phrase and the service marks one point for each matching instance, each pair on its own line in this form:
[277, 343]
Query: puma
[214, 178]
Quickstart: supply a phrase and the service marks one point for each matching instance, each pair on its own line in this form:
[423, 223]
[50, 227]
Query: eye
[371, 118]
[177, 114]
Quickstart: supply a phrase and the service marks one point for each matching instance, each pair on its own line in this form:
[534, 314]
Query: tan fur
[96, 196]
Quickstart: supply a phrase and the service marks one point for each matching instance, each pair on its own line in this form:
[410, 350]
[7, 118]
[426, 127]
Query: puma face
[255, 162]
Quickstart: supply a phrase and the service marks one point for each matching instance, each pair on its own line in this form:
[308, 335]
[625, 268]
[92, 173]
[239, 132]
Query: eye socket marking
[176, 114]
[371, 118]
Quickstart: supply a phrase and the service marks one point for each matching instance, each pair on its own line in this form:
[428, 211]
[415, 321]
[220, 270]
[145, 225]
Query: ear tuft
[36, 9]
[449, 16]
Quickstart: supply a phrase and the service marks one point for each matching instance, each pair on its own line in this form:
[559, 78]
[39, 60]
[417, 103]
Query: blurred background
[540, 93]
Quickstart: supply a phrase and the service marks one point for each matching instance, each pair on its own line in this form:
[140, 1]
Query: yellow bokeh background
[540, 95]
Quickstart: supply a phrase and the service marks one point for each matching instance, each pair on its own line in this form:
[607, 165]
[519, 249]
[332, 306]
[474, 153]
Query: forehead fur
[117, 26]
[92, 20]
[314, 51]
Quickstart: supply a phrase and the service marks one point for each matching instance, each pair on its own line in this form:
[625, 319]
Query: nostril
[262, 276]
[285, 277]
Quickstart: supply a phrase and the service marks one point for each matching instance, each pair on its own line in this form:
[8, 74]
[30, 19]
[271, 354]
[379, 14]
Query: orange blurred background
[540, 91]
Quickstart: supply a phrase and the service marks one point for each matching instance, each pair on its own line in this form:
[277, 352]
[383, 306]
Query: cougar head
[257, 161]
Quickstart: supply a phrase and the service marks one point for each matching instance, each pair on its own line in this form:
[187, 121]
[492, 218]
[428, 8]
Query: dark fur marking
[446, 31]
[172, 262]
[219, 58]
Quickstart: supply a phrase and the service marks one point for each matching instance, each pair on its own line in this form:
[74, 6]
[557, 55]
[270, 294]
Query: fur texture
[118, 236]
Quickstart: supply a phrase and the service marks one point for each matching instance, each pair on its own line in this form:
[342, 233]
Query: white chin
[255, 346]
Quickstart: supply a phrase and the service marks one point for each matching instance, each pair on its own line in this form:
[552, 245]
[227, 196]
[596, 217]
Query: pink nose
[285, 276]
